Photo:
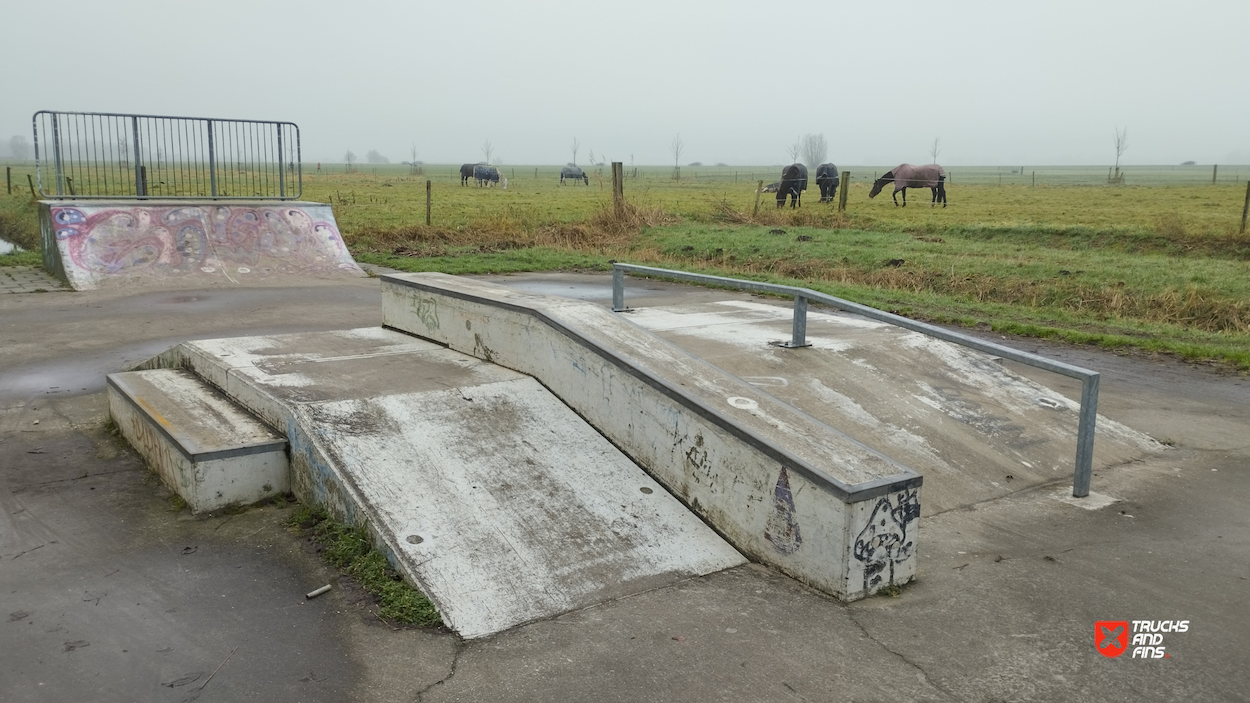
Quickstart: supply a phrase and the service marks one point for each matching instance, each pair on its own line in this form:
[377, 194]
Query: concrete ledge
[784, 488]
[204, 448]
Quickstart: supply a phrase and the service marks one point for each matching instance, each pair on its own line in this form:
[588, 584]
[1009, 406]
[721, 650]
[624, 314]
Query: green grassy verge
[350, 549]
[21, 258]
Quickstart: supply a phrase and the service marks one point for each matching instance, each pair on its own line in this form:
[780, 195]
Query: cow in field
[573, 173]
[793, 183]
[466, 172]
[906, 176]
[827, 179]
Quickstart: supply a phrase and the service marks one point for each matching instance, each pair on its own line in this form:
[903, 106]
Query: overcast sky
[999, 82]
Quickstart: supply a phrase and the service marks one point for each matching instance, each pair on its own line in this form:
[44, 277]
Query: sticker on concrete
[783, 529]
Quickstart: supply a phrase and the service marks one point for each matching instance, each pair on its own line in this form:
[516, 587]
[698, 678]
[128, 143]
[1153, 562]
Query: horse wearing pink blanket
[907, 176]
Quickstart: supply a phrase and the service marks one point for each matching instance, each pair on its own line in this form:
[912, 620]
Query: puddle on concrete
[74, 375]
[578, 291]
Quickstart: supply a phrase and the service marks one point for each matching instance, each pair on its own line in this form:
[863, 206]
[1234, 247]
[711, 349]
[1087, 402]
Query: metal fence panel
[109, 155]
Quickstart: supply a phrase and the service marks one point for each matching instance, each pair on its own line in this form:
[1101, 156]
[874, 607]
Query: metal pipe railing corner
[1088, 415]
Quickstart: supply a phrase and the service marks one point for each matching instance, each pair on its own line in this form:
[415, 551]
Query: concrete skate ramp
[781, 486]
[487, 492]
[973, 428]
[93, 244]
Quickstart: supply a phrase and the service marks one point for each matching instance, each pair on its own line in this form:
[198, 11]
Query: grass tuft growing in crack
[350, 549]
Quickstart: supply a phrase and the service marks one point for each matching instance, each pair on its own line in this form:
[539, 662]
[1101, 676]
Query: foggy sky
[998, 82]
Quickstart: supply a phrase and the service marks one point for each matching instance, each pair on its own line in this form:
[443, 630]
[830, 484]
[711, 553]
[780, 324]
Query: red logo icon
[1111, 637]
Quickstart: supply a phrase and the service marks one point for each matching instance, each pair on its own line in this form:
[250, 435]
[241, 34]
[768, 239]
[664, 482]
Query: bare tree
[374, 157]
[487, 150]
[414, 166]
[794, 150]
[576, 145]
[935, 149]
[19, 148]
[815, 149]
[1121, 145]
[349, 158]
[676, 148]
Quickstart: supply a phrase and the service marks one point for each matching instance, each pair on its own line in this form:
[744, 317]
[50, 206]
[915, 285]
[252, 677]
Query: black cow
[485, 175]
[466, 172]
[793, 183]
[827, 179]
[573, 173]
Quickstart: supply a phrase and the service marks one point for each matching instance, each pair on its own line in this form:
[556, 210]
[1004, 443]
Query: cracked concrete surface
[1003, 609]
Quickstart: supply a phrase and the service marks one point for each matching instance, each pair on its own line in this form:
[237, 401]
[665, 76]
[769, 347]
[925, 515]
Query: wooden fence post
[427, 202]
[1214, 172]
[846, 185]
[1035, 178]
[759, 187]
[31, 181]
[618, 189]
[1245, 209]
[8, 180]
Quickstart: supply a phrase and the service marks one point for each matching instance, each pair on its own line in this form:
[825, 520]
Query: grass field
[1158, 267]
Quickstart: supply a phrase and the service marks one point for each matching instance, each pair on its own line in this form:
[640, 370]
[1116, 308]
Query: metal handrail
[1089, 379]
[130, 156]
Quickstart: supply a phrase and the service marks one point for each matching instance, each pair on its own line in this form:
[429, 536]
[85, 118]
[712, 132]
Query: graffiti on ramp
[106, 244]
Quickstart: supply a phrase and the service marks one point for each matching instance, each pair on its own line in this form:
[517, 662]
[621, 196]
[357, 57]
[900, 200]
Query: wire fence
[108, 155]
[1027, 176]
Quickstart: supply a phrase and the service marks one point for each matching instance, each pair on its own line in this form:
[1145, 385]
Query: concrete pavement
[1003, 609]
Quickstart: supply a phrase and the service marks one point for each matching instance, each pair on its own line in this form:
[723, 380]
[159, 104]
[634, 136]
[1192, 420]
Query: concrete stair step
[205, 448]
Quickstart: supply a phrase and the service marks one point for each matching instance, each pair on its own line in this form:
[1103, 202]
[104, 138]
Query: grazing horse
[486, 175]
[907, 176]
[827, 179]
[793, 183]
[573, 173]
[466, 172]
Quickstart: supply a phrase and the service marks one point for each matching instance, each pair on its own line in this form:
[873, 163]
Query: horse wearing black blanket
[793, 183]
[827, 180]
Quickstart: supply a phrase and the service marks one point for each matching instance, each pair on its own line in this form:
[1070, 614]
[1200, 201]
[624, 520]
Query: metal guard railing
[113, 155]
[798, 338]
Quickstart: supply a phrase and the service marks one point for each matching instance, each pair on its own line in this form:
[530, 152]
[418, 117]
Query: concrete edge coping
[850, 493]
[187, 448]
